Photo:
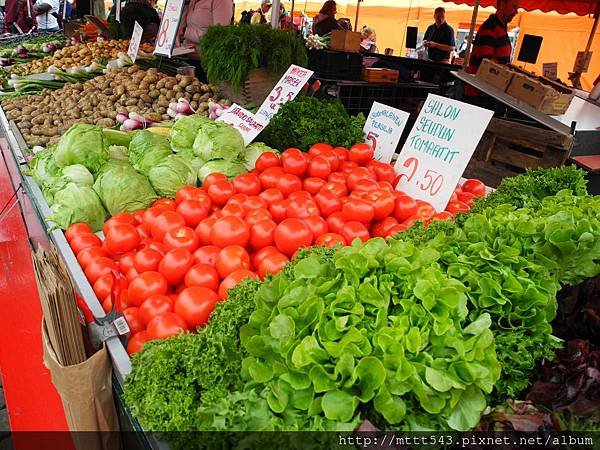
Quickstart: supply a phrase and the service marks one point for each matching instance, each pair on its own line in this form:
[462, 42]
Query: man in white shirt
[46, 13]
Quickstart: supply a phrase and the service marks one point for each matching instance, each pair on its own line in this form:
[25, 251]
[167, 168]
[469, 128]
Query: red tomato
[204, 228]
[230, 259]
[89, 254]
[331, 157]
[467, 198]
[341, 153]
[347, 167]
[319, 167]
[175, 265]
[147, 260]
[289, 183]
[154, 245]
[195, 304]
[146, 285]
[330, 240]
[328, 202]
[317, 225]
[132, 316]
[425, 211]
[302, 208]
[76, 229]
[353, 230]
[292, 234]
[266, 160]
[257, 215]
[202, 275]
[167, 221]
[271, 195]
[357, 174]
[260, 254]
[444, 215]
[278, 210]
[335, 222]
[247, 183]
[254, 202]
[213, 178]
[103, 285]
[356, 209]
[319, 148]
[360, 153]
[270, 176]
[131, 274]
[166, 325]
[262, 234]
[122, 238]
[271, 264]
[384, 172]
[404, 207]
[192, 211]
[293, 162]
[100, 266]
[232, 209]
[154, 306]
[475, 187]
[383, 202]
[381, 228]
[229, 230]
[457, 207]
[313, 185]
[338, 177]
[144, 231]
[366, 185]
[398, 228]
[150, 216]
[232, 280]
[237, 199]
[120, 218]
[168, 204]
[83, 241]
[339, 189]
[137, 342]
[220, 191]
[185, 193]
[299, 196]
[206, 254]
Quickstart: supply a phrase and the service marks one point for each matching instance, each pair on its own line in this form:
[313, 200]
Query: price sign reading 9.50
[439, 148]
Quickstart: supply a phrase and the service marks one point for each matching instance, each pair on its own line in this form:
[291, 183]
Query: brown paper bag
[86, 393]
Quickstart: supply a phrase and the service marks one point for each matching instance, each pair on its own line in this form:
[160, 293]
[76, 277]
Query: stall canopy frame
[579, 7]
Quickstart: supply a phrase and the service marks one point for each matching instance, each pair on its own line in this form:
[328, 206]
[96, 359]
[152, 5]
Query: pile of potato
[43, 118]
[76, 55]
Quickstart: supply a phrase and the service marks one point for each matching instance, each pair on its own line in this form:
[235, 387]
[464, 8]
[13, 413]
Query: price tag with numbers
[292, 82]
[383, 130]
[136, 39]
[248, 124]
[169, 26]
[439, 148]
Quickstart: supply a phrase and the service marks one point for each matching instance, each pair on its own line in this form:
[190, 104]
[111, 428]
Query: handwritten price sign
[169, 25]
[439, 148]
[383, 130]
[136, 39]
[292, 81]
[248, 124]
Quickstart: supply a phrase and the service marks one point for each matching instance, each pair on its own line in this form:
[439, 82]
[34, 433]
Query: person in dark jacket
[325, 21]
[439, 38]
[144, 13]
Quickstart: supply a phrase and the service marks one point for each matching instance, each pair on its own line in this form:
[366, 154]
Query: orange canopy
[579, 7]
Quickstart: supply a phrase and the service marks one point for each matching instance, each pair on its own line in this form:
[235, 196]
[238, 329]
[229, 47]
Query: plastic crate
[336, 65]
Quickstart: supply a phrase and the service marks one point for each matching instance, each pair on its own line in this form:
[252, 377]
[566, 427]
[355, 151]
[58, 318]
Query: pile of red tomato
[171, 263]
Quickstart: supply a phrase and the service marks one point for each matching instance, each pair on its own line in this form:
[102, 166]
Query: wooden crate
[380, 75]
[256, 88]
[541, 93]
[508, 148]
[345, 41]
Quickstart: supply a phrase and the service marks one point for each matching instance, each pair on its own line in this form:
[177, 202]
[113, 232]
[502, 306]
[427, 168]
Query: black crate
[335, 65]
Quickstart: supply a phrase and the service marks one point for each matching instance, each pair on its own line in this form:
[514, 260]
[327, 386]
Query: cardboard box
[541, 93]
[345, 41]
[494, 74]
[380, 75]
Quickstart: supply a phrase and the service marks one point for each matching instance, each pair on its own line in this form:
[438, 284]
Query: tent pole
[275, 13]
[356, 18]
[576, 76]
[470, 37]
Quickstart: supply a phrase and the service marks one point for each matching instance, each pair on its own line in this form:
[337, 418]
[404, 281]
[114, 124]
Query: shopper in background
[140, 11]
[46, 14]
[16, 17]
[199, 15]
[259, 16]
[492, 42]
[368, 43]
[325, 21]
[439, 38]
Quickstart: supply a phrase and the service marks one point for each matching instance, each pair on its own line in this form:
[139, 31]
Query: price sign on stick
[136, 39]
[248, 124]
[383, 130]
[169, 26]
[292, 82]
[439, 148]
[117, 10]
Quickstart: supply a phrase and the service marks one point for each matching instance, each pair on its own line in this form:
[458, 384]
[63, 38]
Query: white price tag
[118, 10]
[136, 39]
[439, 148]
[121, 325]
[169, 26]
[248, 124]
[550, 70]
[286, 89]
[383, 130]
